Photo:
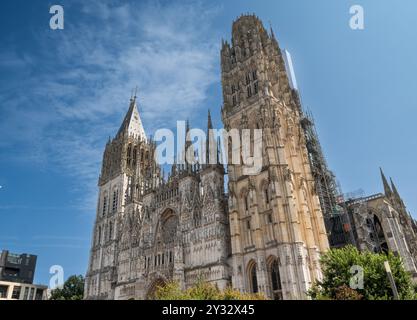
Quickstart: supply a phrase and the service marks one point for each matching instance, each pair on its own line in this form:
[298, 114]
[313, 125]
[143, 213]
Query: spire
[210, 142]
[396, 193]
[132, 124]
[271, 30]
[209, 124]
[394, 189]
[387, 189]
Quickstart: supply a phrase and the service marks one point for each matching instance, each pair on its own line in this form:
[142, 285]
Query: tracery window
[245, 198]
[266, 194]
[129, 155]
[115, 200]
[135, 154]
[252, 86]
[234, 94]
[275, 279]
[169, 227]
[99, 235]
[253, 280]
[110, 230]
[104, 205]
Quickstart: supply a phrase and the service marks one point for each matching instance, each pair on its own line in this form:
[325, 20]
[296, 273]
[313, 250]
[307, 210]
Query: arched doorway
[253, 279]
[274, 278]
[155, 285]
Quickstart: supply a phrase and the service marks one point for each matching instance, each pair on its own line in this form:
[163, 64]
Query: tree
[73, 289]
[337, 263]
[202, 291]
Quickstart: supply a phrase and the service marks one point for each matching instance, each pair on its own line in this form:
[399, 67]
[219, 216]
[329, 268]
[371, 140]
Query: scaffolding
[335, 214]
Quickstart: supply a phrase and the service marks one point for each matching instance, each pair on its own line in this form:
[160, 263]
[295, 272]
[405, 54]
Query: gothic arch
[377, 230]
[252, 276]
[265, 192]
[274, 277]
[380, 235]
[244, 197]
[153, 287]
[167, 226]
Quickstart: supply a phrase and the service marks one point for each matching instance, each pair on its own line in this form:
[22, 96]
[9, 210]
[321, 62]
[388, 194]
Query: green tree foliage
[202, 291]
[73, 289]
[336, 265]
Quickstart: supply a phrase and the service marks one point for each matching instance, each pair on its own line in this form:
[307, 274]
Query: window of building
[246, 202]
[269, 218]
[275, 280]
[266, 194]
[135, 154]
[253, 278]
[3, 291]
[252, 86]
[249, 90]
[104, 205]
[16, 292]
[248, 224]
[110, 230]
[11, 272]
[39, 294]
[129, 154]
[26, 293]
[99, 235]
[115, 200]
[32, 293]
[248, 79]
[255, 87]
[14, 258]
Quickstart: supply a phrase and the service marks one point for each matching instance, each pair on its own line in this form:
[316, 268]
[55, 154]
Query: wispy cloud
[76, 88]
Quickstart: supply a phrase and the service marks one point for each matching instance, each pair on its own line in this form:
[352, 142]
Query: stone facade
[150, 230]
[277, 228]
[381, 223]
[266, 234]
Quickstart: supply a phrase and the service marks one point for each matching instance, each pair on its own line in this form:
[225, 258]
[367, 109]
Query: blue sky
[63, 92]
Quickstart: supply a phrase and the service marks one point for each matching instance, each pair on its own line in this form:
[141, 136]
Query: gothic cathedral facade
[264, 235]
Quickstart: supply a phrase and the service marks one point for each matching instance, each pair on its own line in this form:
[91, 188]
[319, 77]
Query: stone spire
[396, 194]
[132, 124]
[394, 189]
[387, 189]
[210, 141]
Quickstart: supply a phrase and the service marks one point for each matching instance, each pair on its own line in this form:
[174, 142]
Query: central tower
[277, 227]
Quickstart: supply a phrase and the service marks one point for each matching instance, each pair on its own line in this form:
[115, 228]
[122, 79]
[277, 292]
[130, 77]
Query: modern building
[17, 267]
[22, 291]
[16, 277]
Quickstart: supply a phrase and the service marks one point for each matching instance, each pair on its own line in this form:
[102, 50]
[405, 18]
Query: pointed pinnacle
[387, 189]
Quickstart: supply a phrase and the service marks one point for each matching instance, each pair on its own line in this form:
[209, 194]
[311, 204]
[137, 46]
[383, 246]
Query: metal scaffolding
[336, 218]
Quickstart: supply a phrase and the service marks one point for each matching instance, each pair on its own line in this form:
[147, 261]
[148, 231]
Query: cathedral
[265, 233]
